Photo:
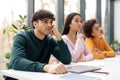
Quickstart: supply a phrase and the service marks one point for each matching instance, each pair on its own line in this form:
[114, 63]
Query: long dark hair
[68, 22]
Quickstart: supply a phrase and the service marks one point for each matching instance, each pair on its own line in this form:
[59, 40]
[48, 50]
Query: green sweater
[31, 54]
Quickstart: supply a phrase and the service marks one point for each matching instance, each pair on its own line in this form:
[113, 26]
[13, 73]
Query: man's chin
[47, 33]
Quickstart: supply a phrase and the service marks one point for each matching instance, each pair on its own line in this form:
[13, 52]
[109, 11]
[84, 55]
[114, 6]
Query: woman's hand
[82, 60]
[98, 50]
[80, 35]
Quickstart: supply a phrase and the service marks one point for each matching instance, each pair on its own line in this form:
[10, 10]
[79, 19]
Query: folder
[82, 68]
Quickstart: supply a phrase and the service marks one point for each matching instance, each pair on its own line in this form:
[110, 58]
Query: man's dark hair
[42, 14]
[88, 26]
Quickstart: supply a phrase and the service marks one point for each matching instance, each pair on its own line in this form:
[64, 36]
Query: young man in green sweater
[32, 49]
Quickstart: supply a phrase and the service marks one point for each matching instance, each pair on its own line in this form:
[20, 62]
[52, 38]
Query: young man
[32, 49]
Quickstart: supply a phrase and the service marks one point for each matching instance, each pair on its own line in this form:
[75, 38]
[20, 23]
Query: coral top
[78, 49]
[101, 45]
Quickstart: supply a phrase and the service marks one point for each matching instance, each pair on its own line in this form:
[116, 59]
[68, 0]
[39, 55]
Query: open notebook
[82, 68]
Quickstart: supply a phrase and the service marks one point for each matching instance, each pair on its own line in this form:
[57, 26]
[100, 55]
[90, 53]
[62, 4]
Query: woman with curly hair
[95, 41]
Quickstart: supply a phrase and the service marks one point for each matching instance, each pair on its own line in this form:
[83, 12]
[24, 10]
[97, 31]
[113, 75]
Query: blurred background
[13, 12]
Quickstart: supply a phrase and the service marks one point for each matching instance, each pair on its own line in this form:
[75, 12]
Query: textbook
[82, 68]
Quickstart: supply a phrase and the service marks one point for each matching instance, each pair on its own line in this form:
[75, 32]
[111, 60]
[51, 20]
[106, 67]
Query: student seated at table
[32, 49]
[74, 39]
[95, 41]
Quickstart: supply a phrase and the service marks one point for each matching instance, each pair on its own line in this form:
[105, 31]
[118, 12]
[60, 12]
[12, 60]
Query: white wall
[117, 20]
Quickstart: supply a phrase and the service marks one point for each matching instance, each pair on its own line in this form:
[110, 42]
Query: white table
[110, 65]
[23, 75]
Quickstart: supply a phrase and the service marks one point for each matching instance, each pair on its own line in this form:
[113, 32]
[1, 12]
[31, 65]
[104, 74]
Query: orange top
[101, 45]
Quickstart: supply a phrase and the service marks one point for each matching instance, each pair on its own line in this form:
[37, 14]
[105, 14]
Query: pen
[101, 72]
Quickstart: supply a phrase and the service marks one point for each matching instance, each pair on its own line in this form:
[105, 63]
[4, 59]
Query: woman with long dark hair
[74, 39]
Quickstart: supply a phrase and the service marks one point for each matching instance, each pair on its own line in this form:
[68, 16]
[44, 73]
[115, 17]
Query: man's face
[43, 26]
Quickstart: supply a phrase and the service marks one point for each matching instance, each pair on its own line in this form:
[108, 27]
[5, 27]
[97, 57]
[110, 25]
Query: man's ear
[34, 24]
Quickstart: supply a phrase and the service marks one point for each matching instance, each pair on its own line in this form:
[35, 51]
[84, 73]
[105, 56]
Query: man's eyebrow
[51, 20]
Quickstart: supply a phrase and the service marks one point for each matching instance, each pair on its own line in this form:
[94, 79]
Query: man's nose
[50, 25]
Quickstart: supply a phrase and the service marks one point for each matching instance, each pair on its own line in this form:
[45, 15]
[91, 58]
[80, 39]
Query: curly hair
[88, 26]
[42, 14]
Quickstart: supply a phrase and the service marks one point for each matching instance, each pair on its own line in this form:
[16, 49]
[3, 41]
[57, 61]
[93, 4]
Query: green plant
[15, 28]
[19, 27]
[115, 46]
[7, 55]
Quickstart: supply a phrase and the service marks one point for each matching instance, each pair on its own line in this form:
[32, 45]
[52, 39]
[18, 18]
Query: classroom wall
[117, 20]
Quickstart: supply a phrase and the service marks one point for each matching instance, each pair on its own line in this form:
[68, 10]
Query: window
[71, 6]
[46, 4]
[10, 9]
[90, 11]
